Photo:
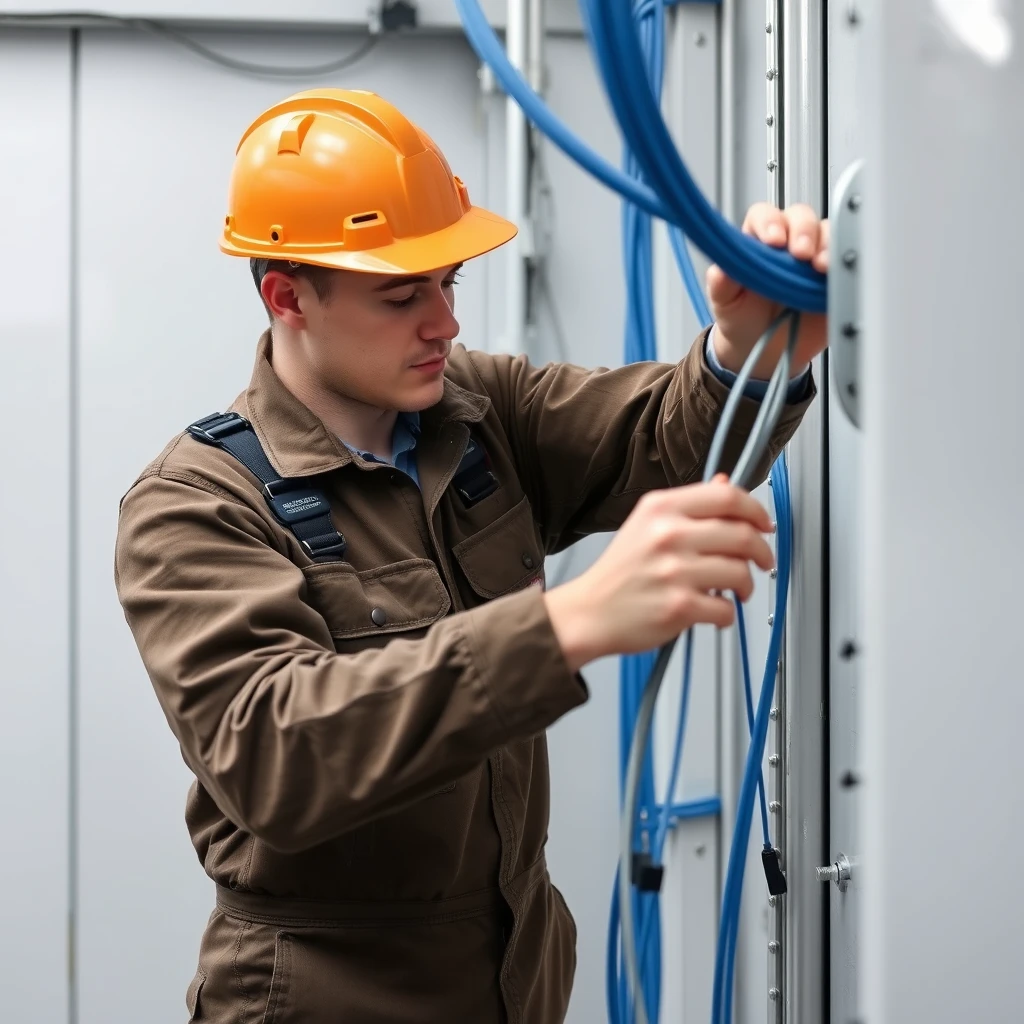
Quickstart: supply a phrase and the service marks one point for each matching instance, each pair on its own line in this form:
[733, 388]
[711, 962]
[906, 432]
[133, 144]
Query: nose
[439, 317]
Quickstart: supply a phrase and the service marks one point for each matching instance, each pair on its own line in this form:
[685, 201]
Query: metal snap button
[379, 616]
[528, 560]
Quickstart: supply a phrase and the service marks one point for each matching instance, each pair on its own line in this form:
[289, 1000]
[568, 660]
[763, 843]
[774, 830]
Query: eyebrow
[402, 282]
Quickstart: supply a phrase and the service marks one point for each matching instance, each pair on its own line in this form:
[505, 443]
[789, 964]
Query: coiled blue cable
[671, 194]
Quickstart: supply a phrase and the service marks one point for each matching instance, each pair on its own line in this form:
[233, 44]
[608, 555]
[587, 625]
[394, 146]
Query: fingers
[731, 539]
[720, 288]
[705, 608]
[718, 573]
[717, 500]
[798, 227]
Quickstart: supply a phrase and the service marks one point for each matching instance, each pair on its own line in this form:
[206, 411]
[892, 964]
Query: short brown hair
[321, 278]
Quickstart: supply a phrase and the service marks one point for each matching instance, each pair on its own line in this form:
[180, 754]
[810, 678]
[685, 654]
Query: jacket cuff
[520, 662]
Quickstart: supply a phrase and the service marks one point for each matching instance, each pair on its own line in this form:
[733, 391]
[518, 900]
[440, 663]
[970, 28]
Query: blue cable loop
[675, 197]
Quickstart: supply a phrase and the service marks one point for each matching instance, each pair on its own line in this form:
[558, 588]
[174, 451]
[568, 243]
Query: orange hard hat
[340, 178]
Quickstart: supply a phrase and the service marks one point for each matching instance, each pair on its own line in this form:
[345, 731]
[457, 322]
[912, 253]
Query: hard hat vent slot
[362, 218]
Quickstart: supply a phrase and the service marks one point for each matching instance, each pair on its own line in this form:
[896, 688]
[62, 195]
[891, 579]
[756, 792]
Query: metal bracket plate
[844, 289]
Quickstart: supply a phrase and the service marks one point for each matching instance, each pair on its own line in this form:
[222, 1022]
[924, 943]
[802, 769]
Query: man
[335, 594]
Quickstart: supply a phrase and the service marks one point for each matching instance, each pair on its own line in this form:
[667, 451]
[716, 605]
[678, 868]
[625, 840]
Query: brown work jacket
[368, 736]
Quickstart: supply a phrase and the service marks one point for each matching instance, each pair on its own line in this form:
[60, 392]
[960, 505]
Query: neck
[362, 426]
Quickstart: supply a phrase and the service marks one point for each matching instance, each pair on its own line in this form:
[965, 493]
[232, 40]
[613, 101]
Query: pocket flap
[504, 556]
[392, 598]
[192, 996]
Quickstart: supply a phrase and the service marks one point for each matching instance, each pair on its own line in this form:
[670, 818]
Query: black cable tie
[773, 871]
[645, 874]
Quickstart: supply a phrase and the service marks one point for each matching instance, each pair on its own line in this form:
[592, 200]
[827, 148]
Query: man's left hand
[742, 316]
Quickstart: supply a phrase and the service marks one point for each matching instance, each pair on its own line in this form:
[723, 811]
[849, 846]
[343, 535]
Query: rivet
[773, 573]
[771, 620]
[775, 806]
[773, 714]
[772, 900]
[773, 946]
[773, 994]
[379, 616]
[774, 760]
[850, 259]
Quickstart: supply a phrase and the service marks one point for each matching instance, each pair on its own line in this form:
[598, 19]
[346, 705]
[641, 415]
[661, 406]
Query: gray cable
[764, 426]
[162, 28]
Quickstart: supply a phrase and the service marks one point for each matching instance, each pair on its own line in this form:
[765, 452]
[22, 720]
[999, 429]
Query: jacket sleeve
[295, 742]
[589, 443]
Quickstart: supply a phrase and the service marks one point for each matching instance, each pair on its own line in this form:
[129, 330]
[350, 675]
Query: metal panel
[944, 445]
[846, 550]
[803, 692]
[36, 523]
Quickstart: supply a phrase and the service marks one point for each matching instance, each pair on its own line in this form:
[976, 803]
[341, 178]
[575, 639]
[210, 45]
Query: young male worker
[363, 700]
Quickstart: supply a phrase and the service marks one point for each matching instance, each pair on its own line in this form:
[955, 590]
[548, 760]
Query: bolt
[772, 900]
[849, 259]
[773, 946]
[771, 620]
[773, 573]
[772, 74]
[770, 120]
[774, 760]
[768, 28]
[854, 202]
[773, 714]
[700, 39]
[773, 994]
[775, 807]
[772, 165]
[827, 874]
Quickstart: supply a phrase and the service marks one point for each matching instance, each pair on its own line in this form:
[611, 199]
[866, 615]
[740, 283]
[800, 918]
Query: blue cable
[675, 197]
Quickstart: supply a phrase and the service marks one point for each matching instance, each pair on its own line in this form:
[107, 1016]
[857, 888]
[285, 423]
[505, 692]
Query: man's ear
[280, 293]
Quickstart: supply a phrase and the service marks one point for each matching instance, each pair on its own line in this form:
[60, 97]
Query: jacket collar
[298, 443]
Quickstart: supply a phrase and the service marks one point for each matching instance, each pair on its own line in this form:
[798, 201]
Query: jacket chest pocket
[365, 609]
[504, 556]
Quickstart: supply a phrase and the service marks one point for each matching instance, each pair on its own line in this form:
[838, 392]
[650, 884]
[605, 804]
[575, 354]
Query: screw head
[773, 994]
[775, 807]
[771, 74]
[773, 714]
[771, 620]
[772, 900]
[768, 28]
[774, 760]
[850, 259]
[770, 120]
[773, 946]
[773, 574]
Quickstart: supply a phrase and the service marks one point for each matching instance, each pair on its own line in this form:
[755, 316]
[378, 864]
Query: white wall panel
[943, 449]
[35, 523]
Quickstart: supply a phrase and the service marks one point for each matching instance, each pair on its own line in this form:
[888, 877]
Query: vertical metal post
[516, 31]
[803, 705]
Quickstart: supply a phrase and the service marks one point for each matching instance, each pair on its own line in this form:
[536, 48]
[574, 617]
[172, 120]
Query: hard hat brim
[476, 232]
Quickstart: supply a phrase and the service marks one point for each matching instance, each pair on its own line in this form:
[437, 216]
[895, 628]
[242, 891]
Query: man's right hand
[660, 574]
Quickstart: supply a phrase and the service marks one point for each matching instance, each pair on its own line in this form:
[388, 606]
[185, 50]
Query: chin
[423, 397]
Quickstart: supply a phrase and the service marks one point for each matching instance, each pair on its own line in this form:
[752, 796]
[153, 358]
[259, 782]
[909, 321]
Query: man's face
[382, 341]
